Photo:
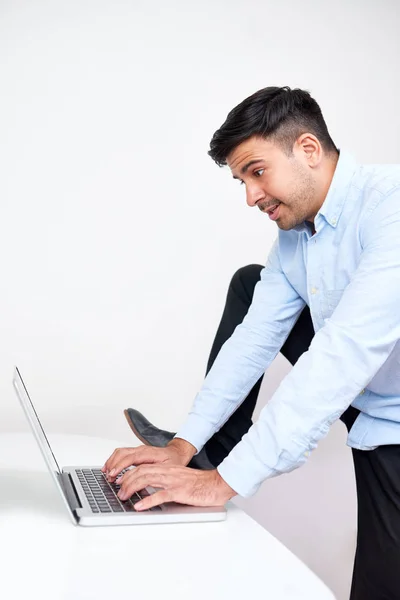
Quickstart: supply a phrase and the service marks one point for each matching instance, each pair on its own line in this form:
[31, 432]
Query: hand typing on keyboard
[177, 484]
[177, 452]
[102, 496]
[165, 468]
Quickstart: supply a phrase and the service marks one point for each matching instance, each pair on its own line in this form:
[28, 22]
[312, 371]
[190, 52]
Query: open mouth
[273, 211]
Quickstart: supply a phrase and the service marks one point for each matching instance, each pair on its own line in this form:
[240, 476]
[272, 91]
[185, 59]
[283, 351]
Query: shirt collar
[333, 204]
[332, 207]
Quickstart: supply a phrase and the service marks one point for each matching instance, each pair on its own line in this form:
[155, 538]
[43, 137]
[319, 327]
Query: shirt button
[314, 290]
[362, 392]
[333, 222]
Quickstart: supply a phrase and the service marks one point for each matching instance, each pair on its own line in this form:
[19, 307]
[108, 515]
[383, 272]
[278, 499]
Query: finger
[127, 462]
[105, 468]
[158, 471]
[131, 485]
[138, 456]
[132, 482]
[147, 455]
[124, 457]
[153, 500]
[117, 471]
[109, 464]
[172, 474]
[120, 477]
[151, 470]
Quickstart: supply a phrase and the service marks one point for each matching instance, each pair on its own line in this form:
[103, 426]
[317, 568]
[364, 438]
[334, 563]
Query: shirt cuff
[196, 430]
[242, 472]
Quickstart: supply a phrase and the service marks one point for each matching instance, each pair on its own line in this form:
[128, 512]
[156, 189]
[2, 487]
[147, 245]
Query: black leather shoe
[147, 433]
[150, 435]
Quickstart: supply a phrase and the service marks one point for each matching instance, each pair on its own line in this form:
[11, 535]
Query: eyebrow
[247, 165]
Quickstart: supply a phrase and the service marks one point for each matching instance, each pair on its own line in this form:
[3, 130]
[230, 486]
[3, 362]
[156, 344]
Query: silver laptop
[88, 497]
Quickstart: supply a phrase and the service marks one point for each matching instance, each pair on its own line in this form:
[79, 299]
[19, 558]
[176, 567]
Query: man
[329, 300]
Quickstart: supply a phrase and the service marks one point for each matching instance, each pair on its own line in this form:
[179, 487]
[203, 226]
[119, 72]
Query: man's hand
[177, 452]
[179, 484]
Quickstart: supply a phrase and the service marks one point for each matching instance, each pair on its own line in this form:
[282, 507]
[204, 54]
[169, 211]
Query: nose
[253, 195]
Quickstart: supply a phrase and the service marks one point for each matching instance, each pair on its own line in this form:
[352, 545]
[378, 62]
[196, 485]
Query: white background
[119, 235]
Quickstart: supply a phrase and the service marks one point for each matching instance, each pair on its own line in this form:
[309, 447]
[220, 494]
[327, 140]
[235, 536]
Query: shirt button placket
[313, 271]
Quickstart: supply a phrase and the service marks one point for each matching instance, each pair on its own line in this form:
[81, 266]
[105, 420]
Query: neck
[325, 180]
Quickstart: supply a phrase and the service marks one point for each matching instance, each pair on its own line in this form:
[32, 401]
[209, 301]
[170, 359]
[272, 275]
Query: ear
[310, 149]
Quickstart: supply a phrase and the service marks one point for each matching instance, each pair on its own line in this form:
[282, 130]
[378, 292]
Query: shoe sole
[135, 431]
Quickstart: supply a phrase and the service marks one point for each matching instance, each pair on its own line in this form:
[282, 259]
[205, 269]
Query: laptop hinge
[70, 491]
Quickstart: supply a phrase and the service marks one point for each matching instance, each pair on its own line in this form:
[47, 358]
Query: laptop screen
[33, 419]
[39, 434]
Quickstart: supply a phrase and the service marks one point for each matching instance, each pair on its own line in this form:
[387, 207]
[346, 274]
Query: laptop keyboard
[102, 495]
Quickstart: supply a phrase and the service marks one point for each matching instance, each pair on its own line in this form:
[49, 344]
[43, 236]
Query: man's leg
[376, 574]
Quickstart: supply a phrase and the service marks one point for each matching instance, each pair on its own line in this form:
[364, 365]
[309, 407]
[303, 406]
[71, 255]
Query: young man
[329, 300]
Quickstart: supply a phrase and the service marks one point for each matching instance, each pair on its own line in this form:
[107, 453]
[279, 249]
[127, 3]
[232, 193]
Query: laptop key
[102, 495]
[135, 498]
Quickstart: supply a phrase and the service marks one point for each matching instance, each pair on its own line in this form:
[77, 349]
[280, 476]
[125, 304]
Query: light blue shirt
[348, 273]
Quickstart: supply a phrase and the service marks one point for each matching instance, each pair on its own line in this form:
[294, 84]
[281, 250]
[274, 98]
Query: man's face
[280, 185]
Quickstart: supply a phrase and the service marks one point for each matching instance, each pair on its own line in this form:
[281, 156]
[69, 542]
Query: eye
[258, 173]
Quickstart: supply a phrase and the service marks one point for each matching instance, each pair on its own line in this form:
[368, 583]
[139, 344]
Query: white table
[43, 555]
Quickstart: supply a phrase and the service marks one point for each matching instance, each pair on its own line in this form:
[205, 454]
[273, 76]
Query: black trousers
[376, 574]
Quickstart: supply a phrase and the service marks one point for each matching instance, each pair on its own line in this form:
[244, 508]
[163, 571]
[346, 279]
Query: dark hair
[276, 112]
